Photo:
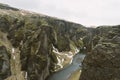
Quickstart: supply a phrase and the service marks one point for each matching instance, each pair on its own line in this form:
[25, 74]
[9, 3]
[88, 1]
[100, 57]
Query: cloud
[86, 12]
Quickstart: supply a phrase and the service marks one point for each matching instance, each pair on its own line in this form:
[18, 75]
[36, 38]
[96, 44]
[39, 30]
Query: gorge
[38, 47]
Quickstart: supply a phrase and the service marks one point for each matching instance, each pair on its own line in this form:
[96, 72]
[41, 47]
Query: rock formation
[33, 46]
[27, 40]
[103, 62]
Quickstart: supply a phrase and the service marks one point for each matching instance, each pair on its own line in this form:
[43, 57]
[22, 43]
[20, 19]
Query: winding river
[67, 72]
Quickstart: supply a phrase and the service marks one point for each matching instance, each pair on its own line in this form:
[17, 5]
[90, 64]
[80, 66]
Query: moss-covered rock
[31, 38]
[4, 63]
[102, 63]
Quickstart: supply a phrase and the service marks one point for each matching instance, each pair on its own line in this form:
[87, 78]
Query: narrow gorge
[38, 47]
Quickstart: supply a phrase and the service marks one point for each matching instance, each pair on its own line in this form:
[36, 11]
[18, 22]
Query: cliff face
[102, 63]
[27, 40]
[33, 46]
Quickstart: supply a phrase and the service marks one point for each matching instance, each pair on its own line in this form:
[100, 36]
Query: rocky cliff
[103, 61]
[28, 42]
[33, 46]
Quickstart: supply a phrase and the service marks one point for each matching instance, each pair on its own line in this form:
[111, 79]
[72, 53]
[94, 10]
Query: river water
[68, 71]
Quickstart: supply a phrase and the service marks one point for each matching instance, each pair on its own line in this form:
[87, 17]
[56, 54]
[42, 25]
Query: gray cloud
[86, 12]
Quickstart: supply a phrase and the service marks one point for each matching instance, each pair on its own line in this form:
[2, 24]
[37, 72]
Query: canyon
[38, 47]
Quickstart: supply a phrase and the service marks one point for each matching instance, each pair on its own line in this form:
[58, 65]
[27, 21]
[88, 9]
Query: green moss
[44, 23]
[53, 57]
[53, 61]
[19, 34]
[96, 39]
[0, 43]
[30, 26]
[79, 43]
[72, 46]
[63, 44]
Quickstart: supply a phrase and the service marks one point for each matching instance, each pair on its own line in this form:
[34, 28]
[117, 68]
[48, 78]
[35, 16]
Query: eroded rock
[4, 63]
[103, 62]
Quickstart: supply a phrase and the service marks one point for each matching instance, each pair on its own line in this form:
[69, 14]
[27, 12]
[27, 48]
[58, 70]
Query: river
[67, 72]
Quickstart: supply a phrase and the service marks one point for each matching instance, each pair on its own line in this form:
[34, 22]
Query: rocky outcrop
[29, 39]
[33, 46]
[4, 63]
[102, 63]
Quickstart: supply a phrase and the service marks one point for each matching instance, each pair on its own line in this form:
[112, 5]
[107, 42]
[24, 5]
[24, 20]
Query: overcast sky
[85, 12]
